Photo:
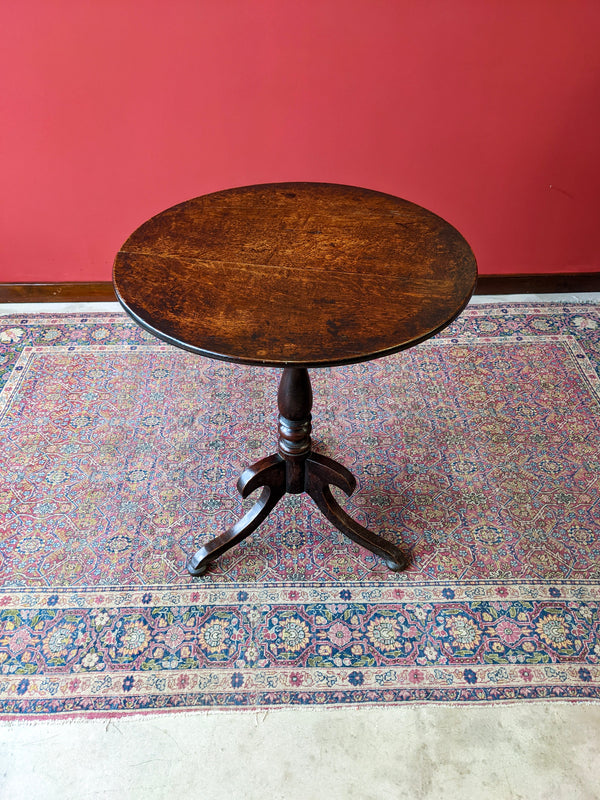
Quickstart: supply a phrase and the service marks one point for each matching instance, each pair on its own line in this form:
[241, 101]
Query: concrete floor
[549, 751]
[530, 751]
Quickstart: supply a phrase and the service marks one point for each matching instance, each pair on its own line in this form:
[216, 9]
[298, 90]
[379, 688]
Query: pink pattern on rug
[478, 451]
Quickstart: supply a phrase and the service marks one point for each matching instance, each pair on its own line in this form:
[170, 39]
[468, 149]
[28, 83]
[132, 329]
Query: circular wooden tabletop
[295, 274]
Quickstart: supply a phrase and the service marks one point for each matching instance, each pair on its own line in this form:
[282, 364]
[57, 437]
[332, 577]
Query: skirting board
[82, 291]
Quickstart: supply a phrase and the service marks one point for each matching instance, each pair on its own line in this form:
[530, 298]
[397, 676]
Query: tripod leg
[268, 473]
[321, 472]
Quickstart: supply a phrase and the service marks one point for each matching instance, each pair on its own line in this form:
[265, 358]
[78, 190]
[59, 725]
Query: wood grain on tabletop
[298, 274]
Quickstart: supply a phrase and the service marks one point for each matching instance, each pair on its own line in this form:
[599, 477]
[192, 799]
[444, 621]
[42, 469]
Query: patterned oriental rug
[478, 450]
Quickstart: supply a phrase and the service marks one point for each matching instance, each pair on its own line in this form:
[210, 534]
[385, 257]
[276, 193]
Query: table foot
[268, 473]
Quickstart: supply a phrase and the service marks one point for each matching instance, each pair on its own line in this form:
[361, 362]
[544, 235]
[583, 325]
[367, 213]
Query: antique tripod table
[296, 276]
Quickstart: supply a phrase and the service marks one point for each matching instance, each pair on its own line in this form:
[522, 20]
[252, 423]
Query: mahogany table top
[295, 274]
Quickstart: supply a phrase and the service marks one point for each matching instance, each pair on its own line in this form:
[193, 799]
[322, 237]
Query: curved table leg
[320, 473]
[268, 473]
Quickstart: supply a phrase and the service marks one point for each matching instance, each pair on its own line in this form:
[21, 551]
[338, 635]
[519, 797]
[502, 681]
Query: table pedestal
[295, 469]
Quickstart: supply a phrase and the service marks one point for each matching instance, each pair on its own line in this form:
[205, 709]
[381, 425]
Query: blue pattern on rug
[479, 451]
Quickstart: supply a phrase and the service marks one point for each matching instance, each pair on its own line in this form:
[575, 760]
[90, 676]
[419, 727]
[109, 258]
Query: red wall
[485, 111]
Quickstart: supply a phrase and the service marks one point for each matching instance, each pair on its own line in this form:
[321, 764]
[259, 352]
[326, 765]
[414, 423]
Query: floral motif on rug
[478, 451]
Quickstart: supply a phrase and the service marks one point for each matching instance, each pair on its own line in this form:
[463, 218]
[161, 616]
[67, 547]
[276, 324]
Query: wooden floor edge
[102, 291]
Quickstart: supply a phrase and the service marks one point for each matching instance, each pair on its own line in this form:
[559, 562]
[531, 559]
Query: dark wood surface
[297, 274]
